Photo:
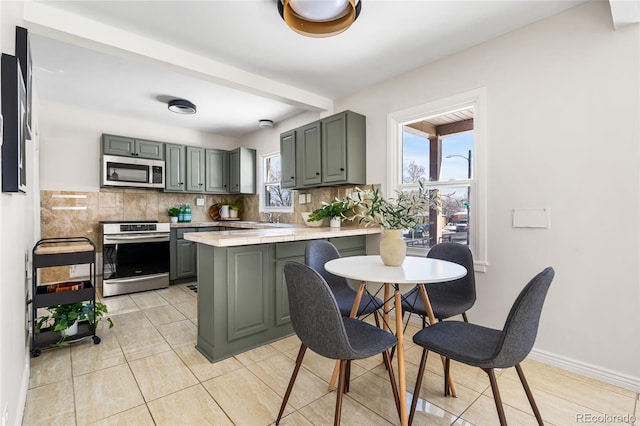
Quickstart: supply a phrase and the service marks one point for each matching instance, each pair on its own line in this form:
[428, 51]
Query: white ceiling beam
[55, 23]
[624, 12]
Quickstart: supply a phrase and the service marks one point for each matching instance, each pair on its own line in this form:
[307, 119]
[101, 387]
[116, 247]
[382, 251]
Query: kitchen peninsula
[242, 296]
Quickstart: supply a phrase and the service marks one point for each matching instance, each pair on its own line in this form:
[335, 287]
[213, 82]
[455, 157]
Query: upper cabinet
[242, 171]
[130, 147]
[195, 169]
[175, 167]
[216, 171]
[331, 151]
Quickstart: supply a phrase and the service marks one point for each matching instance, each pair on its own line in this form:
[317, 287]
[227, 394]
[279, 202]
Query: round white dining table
[414, 271]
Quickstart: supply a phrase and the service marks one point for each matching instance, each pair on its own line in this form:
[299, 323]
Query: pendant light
[319, 18]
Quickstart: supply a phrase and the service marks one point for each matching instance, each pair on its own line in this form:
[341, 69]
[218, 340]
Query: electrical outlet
[199, 201]
[308, 198]
[301, 199]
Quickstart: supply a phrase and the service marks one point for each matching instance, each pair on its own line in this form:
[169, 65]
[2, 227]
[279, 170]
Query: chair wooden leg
[496, 395]
[464, 317]
[416, 391]
[392, 379]
[301, 353]
[347, 377]
[527, 390]
[340, 392]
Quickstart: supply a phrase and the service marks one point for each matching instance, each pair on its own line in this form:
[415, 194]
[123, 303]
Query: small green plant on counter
[62, 317]
[236, 204]
[173, 212]
[336, 208]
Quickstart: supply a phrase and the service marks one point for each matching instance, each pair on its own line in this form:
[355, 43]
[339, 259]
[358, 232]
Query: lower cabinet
[242, 294]
[183, 253]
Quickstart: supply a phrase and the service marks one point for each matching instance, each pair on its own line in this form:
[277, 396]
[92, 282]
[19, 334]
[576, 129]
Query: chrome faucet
[278, 218]
[269, 217]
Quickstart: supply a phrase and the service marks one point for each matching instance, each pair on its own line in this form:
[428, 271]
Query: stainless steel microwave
[132, 172]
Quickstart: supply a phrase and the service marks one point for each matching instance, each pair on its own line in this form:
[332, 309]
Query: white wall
[17, 236]
[563, 133]
[70, 143]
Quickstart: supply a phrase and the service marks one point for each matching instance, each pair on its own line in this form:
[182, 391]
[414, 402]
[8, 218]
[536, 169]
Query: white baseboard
[593, 371]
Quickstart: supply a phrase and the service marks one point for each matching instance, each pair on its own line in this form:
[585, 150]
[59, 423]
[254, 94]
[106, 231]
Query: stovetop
[134, 226]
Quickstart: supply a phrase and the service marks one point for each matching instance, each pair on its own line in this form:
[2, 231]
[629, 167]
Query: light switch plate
[301, 199]
[199, 201]
[308, 198]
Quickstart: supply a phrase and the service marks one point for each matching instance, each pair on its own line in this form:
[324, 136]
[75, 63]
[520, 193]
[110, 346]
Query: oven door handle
[137, 237]
[137, 279]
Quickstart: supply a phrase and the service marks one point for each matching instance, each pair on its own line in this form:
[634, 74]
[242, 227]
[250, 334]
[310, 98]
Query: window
[274, 198]
[442, 145]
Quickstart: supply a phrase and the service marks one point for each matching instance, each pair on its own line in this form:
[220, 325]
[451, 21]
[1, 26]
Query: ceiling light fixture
[265, 123]
[182, 106]
[319, 18]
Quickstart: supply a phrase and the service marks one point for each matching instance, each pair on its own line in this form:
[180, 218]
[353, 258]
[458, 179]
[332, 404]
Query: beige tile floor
[146, 371]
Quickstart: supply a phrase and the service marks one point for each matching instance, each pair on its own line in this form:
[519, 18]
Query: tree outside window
[275, 197]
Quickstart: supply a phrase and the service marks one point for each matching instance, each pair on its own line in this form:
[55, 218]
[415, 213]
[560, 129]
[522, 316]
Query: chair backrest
[521, 327]
[314, 312]
[319, 252]
[465, 287]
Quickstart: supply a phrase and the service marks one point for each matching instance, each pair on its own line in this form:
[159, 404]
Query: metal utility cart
[50, 252]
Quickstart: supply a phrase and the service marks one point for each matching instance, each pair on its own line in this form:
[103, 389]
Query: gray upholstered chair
[488, 348]
[450, 298]
[321, 327]
[319, 252]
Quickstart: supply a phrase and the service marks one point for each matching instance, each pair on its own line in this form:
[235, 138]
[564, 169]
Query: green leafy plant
[173, 212]
[336, 208]
[61, 317]
[235, 204]
[406, 211]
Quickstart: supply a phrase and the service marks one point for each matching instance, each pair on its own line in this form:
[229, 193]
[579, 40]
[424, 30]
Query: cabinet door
[310, 154]
[186, 260]
[242, 171]
[217, 171]
[174, 167]
[288, 159]
[334, 149]
[234, 171]
[149, 149]
[195, 169]
[118, 145]
[249, 288]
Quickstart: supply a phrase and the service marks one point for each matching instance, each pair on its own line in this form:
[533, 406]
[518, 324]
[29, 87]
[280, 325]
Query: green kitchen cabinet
[216, 171]
[131, 147]
[242, 171]
[183, 255]
[310, 154]
[175, 167]
[288, 175]
[330, 151]
[195, 169]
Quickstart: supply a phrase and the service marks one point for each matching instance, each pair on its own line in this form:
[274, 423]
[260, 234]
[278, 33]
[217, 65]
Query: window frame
[478, 182]
[263, 184]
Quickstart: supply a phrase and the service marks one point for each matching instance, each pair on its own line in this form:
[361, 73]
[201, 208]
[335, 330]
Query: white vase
[393, 249]
[71, 330]
[335, 222]
[224, 211]
[174, 219]
[233, 213]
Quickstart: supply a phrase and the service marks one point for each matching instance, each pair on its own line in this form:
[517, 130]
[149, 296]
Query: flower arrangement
[236, 204]
[406, 211]
[64, 316]
[336, 208]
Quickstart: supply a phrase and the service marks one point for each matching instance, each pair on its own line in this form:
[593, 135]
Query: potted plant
[63, 319]
[173, 213]
[335, 211]
[236, 205]
[406, 211]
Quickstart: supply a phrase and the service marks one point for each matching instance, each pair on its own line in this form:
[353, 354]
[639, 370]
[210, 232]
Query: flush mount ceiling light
[182, 106]
[319, 18]
[265, 123]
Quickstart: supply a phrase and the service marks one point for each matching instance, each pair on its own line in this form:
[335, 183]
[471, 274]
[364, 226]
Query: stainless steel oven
[135, 257]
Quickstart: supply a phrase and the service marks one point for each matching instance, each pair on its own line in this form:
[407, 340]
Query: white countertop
[241, 224]
[274, 235]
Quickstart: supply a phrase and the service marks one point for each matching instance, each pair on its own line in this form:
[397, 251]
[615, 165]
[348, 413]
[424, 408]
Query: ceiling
[237, 60]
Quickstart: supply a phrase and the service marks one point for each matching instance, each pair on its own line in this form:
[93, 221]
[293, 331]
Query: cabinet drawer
[349, 243]
[290, 249]
[180, 232]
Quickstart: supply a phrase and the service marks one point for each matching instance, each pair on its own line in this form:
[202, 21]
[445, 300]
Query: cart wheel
[96, 340]
[36, 353]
